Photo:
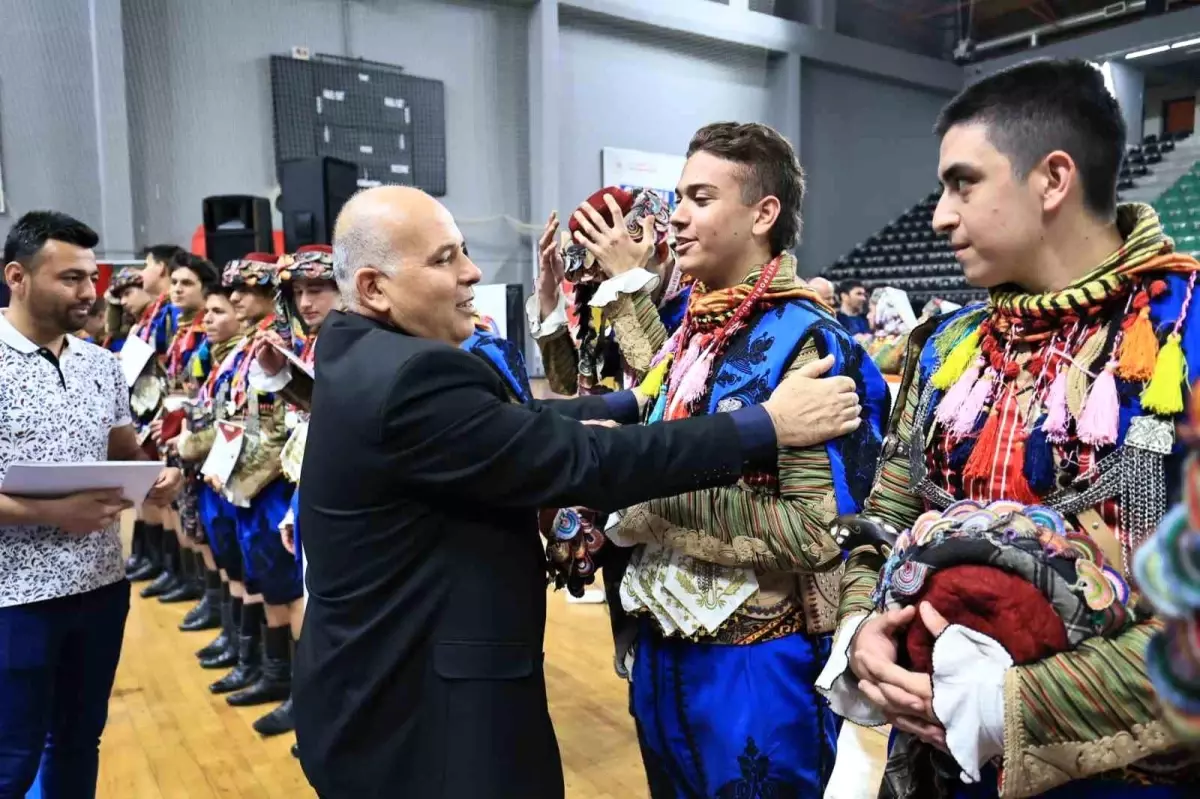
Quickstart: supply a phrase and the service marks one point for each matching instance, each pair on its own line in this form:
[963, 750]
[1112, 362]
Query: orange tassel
[1139, 349]
[979, 465]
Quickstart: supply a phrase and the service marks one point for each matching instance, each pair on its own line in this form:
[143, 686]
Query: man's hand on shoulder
[808, 409]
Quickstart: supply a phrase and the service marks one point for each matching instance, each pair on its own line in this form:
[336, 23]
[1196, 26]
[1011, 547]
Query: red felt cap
[624, 201]
[994, 602]
[261, 257]
[325, 248]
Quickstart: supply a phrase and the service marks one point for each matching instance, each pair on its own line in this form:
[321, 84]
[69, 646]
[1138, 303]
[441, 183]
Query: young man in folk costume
[260, 494]
[217, 517]
[181, 558]
[737, 587]
[608, 296]
[1062, 391]
[307, 293]
[187, 365]
[156, 325]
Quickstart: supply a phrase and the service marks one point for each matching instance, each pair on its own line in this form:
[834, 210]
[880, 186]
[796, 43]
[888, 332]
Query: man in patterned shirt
[63, 593]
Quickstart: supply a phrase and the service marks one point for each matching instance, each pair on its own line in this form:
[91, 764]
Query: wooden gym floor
[168, 738]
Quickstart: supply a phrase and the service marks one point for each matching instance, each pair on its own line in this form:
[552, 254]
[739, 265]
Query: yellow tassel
[1164, 393]
[957, 362]
[653, 381]
[1139, 348]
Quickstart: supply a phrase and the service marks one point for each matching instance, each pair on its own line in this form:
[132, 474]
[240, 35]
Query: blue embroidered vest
[758, 357]
[503, 356]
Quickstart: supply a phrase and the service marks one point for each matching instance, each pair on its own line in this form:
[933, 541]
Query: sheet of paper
[134, 478]
[295, 359]
[227, 445]
[135, 354]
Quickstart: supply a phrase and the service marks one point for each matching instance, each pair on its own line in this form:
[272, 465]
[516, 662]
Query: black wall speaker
[236, 225]
[311, 193]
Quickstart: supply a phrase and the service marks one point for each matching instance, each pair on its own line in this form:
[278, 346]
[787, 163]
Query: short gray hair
[360, 244]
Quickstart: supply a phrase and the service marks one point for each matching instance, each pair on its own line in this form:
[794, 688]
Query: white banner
[636, 169]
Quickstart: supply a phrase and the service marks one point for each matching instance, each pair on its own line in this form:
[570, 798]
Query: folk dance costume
[1064, 400]
[187, 365]
[311, 262]
[260, 495]
[601, 338]
[216, 516]
[737, 587]
[156, 326]
[1167, 570]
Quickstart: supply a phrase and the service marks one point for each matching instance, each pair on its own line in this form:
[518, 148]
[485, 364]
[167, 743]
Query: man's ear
[367, 284]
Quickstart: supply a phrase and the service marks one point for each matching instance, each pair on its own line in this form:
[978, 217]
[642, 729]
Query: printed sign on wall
[636, 169]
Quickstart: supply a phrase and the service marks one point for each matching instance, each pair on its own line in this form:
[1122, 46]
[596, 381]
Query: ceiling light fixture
[1149, 51]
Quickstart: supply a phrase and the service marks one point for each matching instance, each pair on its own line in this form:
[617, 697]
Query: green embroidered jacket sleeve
[639, 329]
[561, 362]
[890, 500]
[788, 531]
[1080, 714]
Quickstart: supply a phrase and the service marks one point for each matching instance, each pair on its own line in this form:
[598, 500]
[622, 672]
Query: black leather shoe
[185, 590]
[205, 616]
[274, 683]
[163, 584]
[246, 672]
[225, 659]
[148, 570]
[277, 722]
[226, 641]
[218, 645]
[137, 549]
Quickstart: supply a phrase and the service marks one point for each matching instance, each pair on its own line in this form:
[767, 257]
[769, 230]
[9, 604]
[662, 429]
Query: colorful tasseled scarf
[1066, 348]
[713, 318]
[184, 344]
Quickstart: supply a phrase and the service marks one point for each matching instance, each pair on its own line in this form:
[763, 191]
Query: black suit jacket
[419, 671]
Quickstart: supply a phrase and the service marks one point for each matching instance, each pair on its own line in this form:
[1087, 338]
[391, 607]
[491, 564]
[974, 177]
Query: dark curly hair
[771, 169]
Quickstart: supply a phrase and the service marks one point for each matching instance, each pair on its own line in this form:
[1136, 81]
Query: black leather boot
[137, 554]
[274, 683]
[206, 615]
[152, 560]
[222, 653]
[246, 672]
[277, 722]
[296, 751]
[190, 586]
[169, 578]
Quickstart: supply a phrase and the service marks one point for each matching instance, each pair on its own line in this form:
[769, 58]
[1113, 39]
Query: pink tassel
[694, 381]
[957, 395]
[1102, 412]
[981, 393]
[1057, 414]
[689, 357]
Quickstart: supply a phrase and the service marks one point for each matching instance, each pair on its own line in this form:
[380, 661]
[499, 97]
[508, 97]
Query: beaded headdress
[579, 265]
[255, 269]
[126, 277]
[310, 262]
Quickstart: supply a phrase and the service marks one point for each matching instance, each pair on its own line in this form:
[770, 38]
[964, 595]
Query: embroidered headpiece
[126, 277]
[1015, 573]
[310, 262]
[255, 269]
[579, 264]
